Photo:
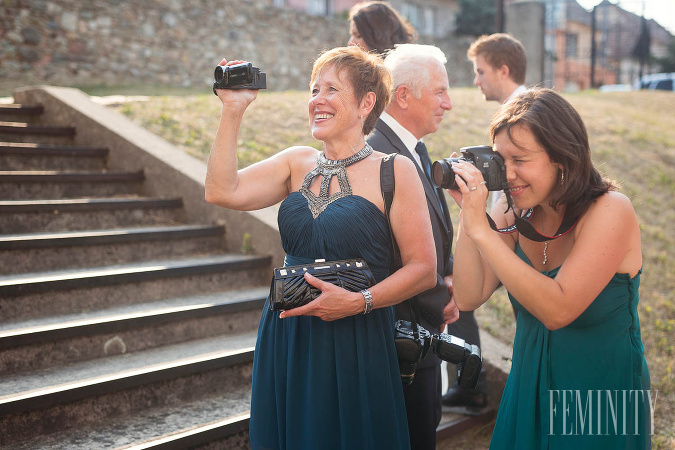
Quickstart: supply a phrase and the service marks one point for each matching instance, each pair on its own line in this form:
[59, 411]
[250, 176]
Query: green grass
[632, 139]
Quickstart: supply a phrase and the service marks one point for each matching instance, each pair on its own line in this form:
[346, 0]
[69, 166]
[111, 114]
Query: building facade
[581, 45]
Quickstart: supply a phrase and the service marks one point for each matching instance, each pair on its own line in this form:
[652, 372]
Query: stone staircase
[123, 322]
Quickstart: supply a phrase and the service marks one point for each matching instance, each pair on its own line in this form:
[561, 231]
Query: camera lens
[442, 174]
[470, 371]
[219, 73]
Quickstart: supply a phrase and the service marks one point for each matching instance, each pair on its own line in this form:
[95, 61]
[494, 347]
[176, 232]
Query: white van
[660, 81]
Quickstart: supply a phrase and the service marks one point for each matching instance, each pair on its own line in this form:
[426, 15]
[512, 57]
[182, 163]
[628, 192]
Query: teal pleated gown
[329, 385]
[584, 386]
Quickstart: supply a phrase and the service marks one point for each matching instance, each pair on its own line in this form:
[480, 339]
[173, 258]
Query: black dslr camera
[490, 164]
[412, 346]
[239, 76]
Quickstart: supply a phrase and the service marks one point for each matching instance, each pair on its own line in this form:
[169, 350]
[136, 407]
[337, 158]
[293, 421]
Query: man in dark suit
[419, 101]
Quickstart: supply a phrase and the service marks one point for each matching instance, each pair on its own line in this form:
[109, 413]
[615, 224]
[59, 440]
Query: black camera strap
[387, 185]
[523, 226]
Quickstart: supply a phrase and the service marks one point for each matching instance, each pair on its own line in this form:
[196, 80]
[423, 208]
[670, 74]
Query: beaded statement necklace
[328, 168]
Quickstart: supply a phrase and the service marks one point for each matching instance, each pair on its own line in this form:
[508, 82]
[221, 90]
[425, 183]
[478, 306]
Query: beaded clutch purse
[290, 290]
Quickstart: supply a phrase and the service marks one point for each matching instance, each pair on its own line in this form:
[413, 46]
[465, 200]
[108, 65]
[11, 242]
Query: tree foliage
[476, 17]
[643, 45]
[667, 63]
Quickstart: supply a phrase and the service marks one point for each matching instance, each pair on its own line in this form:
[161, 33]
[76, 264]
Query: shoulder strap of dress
[388, 187]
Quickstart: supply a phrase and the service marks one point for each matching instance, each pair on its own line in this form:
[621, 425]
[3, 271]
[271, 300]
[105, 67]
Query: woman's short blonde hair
[366, 73]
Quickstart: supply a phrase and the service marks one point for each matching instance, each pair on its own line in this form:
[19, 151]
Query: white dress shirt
[408, 139]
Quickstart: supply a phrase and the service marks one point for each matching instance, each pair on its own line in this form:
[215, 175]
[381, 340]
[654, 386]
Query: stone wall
[172, 42]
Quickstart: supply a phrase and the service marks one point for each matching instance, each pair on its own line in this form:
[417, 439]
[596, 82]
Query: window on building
[429, 29]
[572, 45]
[412, 13]
[422, 18]
[320, 7]
[554, 14]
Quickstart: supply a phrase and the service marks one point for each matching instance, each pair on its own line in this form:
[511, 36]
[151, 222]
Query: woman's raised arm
[257, 186]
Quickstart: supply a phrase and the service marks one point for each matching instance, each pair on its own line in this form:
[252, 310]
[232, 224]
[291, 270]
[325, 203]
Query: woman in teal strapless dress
[326, 375]
[569, 255]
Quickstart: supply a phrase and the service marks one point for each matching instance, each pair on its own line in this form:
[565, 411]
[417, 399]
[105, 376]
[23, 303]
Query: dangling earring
[562, 177]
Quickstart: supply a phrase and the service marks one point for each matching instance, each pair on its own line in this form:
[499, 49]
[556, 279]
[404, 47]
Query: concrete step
[41, 294]
[52, 184]
[189, 426]
[32, 156]
[13, 112]
[21, 216]
[43, 343]
[455, 424]
[95, 392]
[23, 128]
[35, 252]
[19, 109]
[29, 132]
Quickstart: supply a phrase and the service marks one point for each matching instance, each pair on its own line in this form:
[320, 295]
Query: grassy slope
[633, 140]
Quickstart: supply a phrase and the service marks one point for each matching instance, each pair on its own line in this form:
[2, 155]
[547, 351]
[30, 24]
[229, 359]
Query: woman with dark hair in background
[377, 27]
[579, 379]
[326, 374]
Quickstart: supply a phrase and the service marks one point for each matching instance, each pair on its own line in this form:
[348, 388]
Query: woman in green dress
[571, 264]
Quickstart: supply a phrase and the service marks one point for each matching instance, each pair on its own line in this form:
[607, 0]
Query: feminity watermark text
[601, 412]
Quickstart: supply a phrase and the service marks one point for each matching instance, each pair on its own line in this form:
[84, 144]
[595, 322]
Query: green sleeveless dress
[584, 386]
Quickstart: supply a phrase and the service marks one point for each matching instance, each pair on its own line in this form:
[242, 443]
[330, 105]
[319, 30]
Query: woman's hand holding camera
[235, 99]
[333, 303]
[471, 197]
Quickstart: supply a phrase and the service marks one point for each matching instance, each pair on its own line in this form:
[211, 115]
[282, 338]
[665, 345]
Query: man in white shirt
[500, 64]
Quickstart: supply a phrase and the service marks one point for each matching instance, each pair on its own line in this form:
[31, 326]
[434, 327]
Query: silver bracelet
[368, 297]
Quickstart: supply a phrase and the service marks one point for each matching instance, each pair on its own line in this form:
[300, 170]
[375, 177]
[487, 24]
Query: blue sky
[663, 11]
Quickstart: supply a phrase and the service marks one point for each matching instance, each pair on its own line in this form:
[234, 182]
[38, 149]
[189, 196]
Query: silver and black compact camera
[239, 76]
[489, 162]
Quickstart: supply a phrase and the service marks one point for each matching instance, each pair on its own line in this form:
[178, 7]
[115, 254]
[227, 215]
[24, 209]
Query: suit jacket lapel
[429, 188]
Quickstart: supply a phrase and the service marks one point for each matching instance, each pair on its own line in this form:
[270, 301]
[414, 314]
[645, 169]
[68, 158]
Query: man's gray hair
[408, 65]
